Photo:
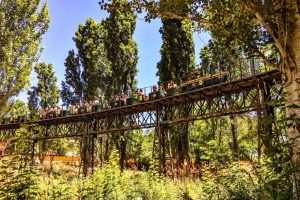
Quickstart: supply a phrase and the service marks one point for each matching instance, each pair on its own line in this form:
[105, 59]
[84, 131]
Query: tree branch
[260, 18]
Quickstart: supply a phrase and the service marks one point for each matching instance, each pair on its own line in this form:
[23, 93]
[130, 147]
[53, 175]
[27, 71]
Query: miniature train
[192, 81]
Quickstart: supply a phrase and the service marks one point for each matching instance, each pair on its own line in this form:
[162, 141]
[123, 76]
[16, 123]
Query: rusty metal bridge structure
[247, 94]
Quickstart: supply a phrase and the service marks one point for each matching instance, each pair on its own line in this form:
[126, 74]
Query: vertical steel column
[84, 152]
[33, 144]
[100, 154]
[93, 138]
[160, 136]
[32, 151]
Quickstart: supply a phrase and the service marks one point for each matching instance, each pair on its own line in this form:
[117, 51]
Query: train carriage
[195, 80]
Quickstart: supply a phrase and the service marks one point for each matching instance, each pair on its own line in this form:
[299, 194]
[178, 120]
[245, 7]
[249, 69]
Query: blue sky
[65, 17]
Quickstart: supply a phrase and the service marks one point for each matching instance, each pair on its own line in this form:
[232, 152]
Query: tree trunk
[234, 145]
[106, 149]
[267, 118]
[122, 150]
[292, 97]
[42, 151]
[84, 154]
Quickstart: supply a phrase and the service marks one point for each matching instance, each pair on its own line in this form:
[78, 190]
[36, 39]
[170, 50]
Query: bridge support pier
[265, 117]
[87, 154]
[33, 144]
[100, 152]
[159, 147]
[234, 134]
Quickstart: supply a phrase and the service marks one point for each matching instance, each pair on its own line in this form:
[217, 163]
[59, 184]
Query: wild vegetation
[242, 156]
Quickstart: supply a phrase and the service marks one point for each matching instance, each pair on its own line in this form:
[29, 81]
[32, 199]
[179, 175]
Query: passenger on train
[162, 90]
[171, 87]
[154, 94]
[115, 101]
[95, 105]
[90, 106]
[87, 107]
[42, 113]
[51, 112]
[142, 97]
[71, 109]
[171, 84]
[123, 99]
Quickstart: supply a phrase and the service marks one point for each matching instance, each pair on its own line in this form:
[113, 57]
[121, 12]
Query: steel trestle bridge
[232, 97]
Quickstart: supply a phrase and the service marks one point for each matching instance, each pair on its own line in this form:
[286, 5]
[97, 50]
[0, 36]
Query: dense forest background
[245, 156]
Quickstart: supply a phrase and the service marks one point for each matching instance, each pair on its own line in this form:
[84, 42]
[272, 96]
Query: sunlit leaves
[22, 24]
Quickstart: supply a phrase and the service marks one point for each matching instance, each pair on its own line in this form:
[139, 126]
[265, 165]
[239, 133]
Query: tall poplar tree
[72, 87]
[87, 72]
[177, 58]
[46, 93]
[22, 25]
[122, 53]
[121, 48]
[89, 40]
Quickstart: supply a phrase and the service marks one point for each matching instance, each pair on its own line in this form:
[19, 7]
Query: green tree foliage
[18, 108]
[17, 182]
[72, 87]
[33, 100]
[214, 58]
[89, 40]
[121, 48]
[22, 24]
[46, 93]
[87, 73]
[177, 51]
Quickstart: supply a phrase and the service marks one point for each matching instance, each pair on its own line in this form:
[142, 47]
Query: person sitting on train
[46, 111]
[172, 84]
[85, 107]
[136, 94]
[54, 111]
[112, 101]
[168, 85]
[71, 109]
[123, 99]
[155, 91]
[42, 113]
[105, 105]
[146, 98]
[51, 112]
[94, 104]
[59, 111]
[88, 106]
[153, 94]
[79, 108]
[115, 101]
[141, 95]
[162, 90]
[118, 101]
